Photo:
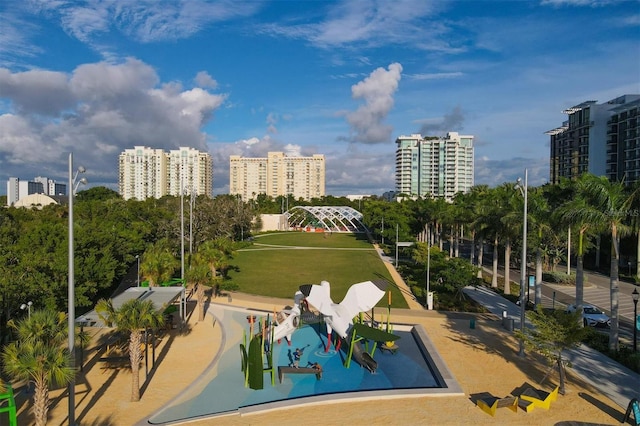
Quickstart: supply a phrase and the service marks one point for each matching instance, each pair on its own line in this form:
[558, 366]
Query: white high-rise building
[148, 172]
[17, 189]
[277, 174]
[190, 170]
[434, 166]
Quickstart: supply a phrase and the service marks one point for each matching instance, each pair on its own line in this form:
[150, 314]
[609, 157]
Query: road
[596, 292]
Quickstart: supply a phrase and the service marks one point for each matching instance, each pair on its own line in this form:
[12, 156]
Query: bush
[559, 277]
[625, 355]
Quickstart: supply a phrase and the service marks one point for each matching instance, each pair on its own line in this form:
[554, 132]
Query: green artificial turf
[277, 264]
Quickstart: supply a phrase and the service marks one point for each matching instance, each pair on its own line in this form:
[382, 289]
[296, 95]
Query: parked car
[592, 316]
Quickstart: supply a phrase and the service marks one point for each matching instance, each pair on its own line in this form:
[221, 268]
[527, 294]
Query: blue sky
[339, 78]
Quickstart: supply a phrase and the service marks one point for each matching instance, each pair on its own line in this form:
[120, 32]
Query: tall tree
[608, 204]
[553, 333]
[39, 355]
[158, 263]
[217, 254]
[199, 276]
[133, 317]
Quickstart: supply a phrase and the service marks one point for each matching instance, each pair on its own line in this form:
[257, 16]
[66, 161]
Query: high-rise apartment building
[190, 170]
[623, 142]
[153, 173]
[17, 188]
[434, 166]
[277, 174]
[601, 139]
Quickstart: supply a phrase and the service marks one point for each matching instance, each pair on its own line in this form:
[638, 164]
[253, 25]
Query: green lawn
[341, 259]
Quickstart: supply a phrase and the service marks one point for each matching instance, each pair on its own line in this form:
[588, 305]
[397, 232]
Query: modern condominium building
[153, 173]
[17, 189]
[434, 166]
[602, 139]
[277, 174]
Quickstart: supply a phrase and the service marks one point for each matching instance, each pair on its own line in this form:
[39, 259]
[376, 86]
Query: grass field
[277, 264]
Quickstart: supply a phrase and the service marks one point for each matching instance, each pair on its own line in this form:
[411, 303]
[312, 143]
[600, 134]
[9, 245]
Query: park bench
[540, 398]
[490, 405]
[282, 370]
[114, 361]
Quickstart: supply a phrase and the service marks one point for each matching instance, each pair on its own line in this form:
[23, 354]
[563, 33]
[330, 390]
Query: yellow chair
[540, 398]
[490, 405]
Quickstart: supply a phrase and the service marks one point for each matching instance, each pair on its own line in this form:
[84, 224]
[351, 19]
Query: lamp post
[73, 186]
[428, 273]
[138, 271]
[635, 295]
[192, 201]
[523, 267]
[25, 306]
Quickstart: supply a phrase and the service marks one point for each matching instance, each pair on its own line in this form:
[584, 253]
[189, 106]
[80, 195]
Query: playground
[483, 359]
[323, 372]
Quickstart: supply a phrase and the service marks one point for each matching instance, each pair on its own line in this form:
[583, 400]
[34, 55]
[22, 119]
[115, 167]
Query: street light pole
[635, 295]
[523, 265]
[71, 284]
[138, 273]
[191, 203]
[27, 305]
[428, 272]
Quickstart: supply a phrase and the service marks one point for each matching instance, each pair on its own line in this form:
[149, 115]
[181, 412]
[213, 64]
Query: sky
[339, 78]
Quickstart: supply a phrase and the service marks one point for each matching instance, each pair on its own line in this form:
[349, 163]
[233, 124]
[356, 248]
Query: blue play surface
[221, 389]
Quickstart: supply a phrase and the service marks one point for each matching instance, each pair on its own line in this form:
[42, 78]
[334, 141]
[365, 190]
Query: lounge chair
[490, 405]
[540, 398]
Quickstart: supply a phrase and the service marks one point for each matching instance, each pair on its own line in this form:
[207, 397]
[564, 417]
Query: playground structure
[257, 354]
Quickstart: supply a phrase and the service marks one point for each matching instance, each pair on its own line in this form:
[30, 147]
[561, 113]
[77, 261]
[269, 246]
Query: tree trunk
[200, 299]
[451, 241]
[561, 389]
[480, 255]
[507, 267]
[494, 278]
[614, 289]
[473, 247]
[598, 240]
[40, 402]
[538, 290]
[135, 356]
[579, 282]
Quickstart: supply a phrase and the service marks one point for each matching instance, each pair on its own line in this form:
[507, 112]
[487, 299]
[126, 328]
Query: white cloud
[377, 90]
[38, 92]
[367, 22]
[97, 111]
[204, 80]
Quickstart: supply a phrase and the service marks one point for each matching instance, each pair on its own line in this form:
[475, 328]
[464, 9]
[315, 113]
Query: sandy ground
[483, 360]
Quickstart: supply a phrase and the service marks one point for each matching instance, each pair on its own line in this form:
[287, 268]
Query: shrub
[625, 356]
[559, 277]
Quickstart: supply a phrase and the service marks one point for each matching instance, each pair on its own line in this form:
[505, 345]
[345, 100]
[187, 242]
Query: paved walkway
[614, 380]
[402, 286]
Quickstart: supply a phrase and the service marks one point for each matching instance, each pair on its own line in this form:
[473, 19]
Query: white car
[592, 316]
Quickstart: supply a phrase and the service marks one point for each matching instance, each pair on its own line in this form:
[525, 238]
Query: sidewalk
[612, 379]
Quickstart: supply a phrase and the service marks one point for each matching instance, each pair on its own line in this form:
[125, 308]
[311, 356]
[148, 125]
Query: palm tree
[580, 214]
[539, 221]
[39, 355]
[199, 275]
[158, 263]
[133, 317]
[217, 253]
[607, 205]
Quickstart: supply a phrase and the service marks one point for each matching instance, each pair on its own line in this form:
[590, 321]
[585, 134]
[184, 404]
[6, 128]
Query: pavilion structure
[326, 219]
